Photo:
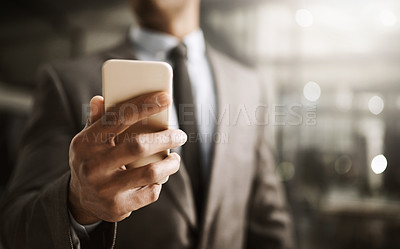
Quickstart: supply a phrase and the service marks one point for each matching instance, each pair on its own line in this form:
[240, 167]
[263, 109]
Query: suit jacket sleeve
[34, 211]
[269, 222]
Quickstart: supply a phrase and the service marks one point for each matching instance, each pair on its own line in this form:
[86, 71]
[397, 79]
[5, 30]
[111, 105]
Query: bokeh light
[304, 18]
[312, 91]
[286, 170]
[376, 105]
[343, 165]
[379, 164]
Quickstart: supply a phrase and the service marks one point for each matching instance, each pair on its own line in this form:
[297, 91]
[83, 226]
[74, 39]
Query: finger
[130, 201]
[96, 109]
[163, 181]
[144, 196]
[118, 118]
[142, 146]
[149, 174]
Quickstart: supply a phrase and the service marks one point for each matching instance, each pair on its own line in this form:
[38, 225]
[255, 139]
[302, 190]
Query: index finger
[120, 117]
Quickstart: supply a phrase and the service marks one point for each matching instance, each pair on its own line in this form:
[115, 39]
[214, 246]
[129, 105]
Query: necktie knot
[179, 52]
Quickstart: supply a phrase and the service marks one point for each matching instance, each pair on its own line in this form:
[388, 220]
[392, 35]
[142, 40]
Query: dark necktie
[184, 104]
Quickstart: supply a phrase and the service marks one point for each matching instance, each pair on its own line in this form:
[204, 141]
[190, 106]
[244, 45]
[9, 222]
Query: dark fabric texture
[186, 110]
[244, 203]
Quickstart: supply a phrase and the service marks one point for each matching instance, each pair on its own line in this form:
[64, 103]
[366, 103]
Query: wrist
[80, 214]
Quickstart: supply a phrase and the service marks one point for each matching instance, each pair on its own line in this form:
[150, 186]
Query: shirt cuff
[82, 230]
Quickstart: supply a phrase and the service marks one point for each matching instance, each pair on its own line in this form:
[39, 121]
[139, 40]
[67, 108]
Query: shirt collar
[158, 44]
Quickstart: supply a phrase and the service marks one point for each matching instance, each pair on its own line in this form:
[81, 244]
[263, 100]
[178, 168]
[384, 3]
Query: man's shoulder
[231, 67]
[89, 66]
[78, 80]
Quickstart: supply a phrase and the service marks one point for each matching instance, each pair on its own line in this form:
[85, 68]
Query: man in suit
[73, 187]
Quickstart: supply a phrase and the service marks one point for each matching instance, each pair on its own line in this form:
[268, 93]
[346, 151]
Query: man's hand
[101, 187]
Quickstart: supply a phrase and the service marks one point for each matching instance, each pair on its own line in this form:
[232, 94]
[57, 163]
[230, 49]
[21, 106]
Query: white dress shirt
[154, 46]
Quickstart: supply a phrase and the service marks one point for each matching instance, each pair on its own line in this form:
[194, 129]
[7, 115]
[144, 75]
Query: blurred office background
[333, 67]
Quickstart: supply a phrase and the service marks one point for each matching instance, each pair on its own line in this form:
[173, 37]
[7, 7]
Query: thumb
[96, 109]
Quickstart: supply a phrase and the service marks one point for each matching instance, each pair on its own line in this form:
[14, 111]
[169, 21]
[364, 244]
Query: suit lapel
[234, 139]
[216, 182]
[179, 189]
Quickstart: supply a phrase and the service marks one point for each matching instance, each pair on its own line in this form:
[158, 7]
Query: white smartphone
[126, 79]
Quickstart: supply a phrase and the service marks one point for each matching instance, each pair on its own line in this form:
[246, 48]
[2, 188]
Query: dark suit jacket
[245, 207]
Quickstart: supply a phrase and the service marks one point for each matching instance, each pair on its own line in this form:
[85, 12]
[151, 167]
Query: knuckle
[113, 206]
[153, 172]
[77, 141]
[140, 103]
[139, 147]
[155, 191]
[78, 151]
[130, 111]
[126, 114]
[74, 141]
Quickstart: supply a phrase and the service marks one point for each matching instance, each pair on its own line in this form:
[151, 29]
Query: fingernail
[162, 99]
